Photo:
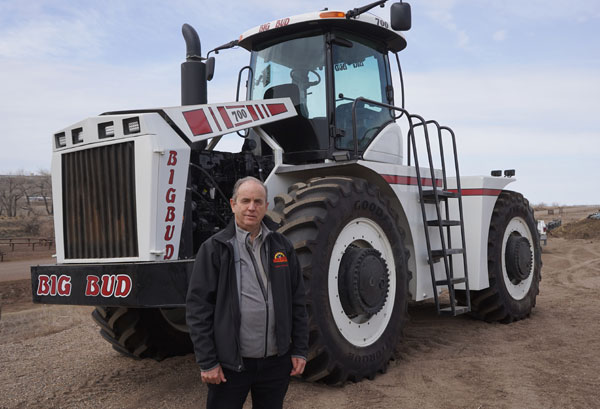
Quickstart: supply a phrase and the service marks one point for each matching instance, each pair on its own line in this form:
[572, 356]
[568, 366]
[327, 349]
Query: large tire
[354, 321]
[514, 263]
[144, 332]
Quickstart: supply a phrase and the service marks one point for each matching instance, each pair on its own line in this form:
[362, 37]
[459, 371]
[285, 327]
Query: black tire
[514, 263]
[143, 332]
[313, 214]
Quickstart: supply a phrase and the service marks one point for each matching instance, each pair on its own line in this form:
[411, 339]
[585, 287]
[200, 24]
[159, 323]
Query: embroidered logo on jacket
[279, 258]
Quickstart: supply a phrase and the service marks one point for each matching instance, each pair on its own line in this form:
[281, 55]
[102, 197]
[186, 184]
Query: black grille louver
[99, 211]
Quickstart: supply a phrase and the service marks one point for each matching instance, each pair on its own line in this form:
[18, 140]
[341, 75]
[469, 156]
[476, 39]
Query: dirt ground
[53, 356]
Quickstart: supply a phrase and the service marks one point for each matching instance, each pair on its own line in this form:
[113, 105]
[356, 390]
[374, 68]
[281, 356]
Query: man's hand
[297, 366]
[215, 375]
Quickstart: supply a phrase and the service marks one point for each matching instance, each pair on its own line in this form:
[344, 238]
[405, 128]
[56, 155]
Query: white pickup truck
[542, 231]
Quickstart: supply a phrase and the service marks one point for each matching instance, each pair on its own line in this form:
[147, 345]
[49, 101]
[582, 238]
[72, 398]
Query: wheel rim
[361, 330]
[517, 289]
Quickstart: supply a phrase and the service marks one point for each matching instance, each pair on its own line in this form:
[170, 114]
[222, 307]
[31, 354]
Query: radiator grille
[99, 213]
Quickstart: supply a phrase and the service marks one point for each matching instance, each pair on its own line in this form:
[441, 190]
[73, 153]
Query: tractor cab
[323, 61]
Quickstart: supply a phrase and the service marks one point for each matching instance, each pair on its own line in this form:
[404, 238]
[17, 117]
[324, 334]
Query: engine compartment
[212, 175]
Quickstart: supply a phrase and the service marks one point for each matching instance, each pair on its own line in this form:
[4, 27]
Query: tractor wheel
[351, 252]
[514, 263]
[155, 333]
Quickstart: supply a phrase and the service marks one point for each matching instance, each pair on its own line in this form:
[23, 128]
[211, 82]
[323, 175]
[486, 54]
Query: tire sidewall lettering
[374, 212]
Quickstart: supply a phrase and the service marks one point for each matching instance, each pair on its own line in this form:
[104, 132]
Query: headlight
[106, 130]
[77, 135]
[131, 125]
[60, 140]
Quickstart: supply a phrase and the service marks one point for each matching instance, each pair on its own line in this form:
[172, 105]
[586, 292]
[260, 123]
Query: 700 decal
[239, 114]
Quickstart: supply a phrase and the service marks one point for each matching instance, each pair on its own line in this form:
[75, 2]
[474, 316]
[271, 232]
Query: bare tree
[26, 187]
[10, 193]
[45, 189]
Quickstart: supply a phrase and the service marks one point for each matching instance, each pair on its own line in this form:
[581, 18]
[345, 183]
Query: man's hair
[241, 181]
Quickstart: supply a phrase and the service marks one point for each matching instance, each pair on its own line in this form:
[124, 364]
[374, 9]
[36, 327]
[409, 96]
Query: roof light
[332, 14]
[131, 125]
[77, 135]
[60, 140]
[106, 130]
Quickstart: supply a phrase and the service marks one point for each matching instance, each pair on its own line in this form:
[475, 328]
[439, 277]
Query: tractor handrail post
[354, 136]
[237, 93]
[250, 76]
[424, 123]
[380, 104]
[460, 212]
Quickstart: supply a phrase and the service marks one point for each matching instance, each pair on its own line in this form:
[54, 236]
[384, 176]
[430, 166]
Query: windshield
[293, 69]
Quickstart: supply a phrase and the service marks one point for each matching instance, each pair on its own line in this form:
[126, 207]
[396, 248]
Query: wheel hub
[363, 282]
[519, 258]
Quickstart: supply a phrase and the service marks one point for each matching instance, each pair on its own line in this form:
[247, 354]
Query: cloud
[441, 12]
[538, 119]
[499, 35]
[547, 11]
[561, 96]
[38, 32]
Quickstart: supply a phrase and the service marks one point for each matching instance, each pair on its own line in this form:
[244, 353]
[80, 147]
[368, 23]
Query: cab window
[359, 71]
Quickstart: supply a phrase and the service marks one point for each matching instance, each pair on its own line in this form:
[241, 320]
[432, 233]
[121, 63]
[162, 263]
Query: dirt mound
[580, 229]
[15, 295]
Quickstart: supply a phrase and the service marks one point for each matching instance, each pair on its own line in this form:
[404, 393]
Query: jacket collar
[226, 234]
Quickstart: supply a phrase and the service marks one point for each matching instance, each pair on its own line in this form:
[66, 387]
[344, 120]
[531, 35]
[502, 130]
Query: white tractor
[377, 218]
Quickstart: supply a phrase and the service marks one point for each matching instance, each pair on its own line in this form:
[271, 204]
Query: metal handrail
[245, 133]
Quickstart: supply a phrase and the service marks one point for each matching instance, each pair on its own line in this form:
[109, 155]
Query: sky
[518, 81]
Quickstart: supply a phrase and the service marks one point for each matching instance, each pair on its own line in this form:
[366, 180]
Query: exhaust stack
[193, 70]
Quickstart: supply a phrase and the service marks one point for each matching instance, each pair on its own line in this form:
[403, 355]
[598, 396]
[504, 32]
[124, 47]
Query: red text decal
[54, 285]
[117, 285]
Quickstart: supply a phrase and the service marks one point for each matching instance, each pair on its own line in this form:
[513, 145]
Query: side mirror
[400, 16]
[210, 68]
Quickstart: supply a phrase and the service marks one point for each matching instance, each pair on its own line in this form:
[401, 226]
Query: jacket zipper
[265, 293]
[234, 318]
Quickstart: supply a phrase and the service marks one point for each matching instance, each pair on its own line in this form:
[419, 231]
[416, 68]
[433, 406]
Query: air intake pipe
[193, 70]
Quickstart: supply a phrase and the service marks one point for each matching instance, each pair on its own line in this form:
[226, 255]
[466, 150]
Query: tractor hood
[193, 123]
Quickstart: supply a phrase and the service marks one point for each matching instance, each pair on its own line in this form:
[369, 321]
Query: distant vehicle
[542, 231]
[554, 224]
[595, 216]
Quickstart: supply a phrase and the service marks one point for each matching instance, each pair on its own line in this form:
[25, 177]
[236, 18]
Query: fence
[17, 243]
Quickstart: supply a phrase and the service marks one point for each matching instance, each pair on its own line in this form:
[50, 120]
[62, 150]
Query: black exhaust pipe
[193, 70]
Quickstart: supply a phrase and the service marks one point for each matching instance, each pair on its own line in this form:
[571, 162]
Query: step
[436, 255]
[443, 223]
[458, 310]
[453, 281]
[429, 195]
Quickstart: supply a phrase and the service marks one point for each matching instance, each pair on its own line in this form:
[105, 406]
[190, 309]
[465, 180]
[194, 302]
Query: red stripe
[215, 118]
[235, 107]
[260, 112]
[265, 110]
[243, 123]
[275, 109]
[225, 117]
[252, 113]
[197, 122]
[409, 180]
[478, 192]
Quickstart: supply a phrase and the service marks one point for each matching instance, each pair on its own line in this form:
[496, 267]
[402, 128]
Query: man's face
[250, 206]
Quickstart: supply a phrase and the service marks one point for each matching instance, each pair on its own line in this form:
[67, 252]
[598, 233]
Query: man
[246, 309]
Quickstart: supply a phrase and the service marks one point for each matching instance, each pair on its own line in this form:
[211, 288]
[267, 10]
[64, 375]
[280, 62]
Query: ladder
[442, 225]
